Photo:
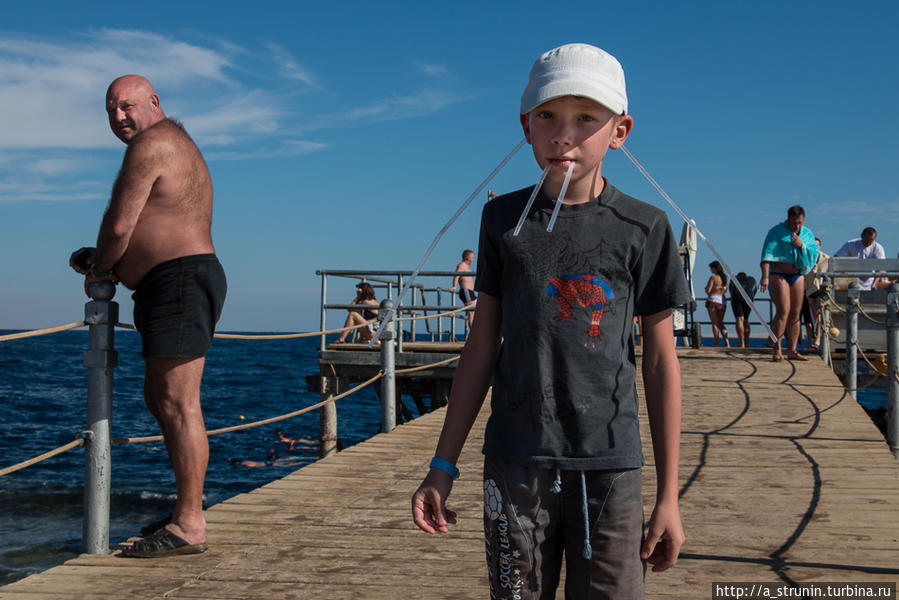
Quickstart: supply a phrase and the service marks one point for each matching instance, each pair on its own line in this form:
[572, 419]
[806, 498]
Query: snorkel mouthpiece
[552, 219]
[530, 203]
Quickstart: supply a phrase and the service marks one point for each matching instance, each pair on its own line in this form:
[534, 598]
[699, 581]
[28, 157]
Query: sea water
[43, 389]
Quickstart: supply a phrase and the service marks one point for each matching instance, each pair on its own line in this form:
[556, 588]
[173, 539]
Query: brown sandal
[163, 543]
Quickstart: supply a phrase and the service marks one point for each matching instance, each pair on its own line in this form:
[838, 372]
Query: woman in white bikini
[714, 291]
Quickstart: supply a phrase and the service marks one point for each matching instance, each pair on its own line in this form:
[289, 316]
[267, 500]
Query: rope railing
[425, 367]
[274, 336]
[869, 317]
[228, 336]
[439, 315]
[866, 359]
[42, 457]
[290, 415]
[833, 305]
[38, 332]
[290, 336]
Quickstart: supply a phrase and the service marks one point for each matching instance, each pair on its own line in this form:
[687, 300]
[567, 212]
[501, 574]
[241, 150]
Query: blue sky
[344, 135]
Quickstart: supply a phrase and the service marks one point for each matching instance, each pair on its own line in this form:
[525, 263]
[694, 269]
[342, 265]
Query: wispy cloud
[288, 67]
[33, 189]
[54, 166]
[52, 92]
[238, 119]
[233, 101]
[834, 217]
[884, 209]
[286, 148]
[435, 70]
[52, 175]
[390, 109]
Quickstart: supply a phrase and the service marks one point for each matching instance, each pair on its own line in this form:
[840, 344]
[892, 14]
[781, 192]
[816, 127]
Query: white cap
[576, 70]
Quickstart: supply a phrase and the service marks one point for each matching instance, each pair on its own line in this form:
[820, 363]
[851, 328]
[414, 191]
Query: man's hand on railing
[82, 259]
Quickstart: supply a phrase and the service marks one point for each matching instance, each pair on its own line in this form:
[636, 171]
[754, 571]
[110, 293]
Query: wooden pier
[357, 362]
[784, 479]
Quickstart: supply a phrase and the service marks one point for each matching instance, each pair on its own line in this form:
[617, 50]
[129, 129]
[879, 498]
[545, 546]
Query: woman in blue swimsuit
[789, 253]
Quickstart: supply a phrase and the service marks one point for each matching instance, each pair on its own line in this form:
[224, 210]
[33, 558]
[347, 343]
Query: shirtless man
[466, 284]
[789, 252]
[155, 238]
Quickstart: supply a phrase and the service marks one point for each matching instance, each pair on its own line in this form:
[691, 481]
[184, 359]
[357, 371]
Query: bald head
[132, 106]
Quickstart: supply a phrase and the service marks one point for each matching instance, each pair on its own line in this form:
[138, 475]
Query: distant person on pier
[365, 295]
[155, 239]
[864, 246]
[465, 284]
[715, 304]
[811, 303]
[789, 252]
[741, 307]
[553, 334]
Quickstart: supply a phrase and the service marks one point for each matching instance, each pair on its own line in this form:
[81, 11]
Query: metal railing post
[414, 313]
[327, 417]
[439, 319]
[824, 322]
[324, 301]
[852, 298]
[893, 368]
[396, 327]
[388, 382]
[452, 336]
[100, 359]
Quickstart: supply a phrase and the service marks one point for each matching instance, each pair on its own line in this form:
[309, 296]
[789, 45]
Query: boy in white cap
[562, 446]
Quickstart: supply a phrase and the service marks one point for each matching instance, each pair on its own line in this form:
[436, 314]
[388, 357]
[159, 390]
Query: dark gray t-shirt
[564, 392]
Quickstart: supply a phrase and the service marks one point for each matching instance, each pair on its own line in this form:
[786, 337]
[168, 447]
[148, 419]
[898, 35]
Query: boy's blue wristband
[445, 466]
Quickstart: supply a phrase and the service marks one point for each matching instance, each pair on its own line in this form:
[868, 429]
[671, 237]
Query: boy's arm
[469, 388]
[661, 380]
[456, 278]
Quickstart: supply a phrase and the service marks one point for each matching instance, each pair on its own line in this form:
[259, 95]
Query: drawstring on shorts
[556, 488]
[588, 549]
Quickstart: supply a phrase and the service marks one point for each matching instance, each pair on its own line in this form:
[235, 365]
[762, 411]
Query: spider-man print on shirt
[581, 290]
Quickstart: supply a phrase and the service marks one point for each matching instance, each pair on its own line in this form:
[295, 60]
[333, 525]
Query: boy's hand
[429, 503]
[664, 537]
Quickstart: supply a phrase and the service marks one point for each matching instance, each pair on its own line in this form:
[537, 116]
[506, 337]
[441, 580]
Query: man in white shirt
[864, 247]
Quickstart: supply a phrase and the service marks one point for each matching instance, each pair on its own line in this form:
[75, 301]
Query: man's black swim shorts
[177, 304]
[466, 295]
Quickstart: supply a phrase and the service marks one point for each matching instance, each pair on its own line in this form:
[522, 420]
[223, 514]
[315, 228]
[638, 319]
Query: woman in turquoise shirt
[789, 253]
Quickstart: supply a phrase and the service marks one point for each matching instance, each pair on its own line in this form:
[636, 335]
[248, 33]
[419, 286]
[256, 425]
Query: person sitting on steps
[365, 294]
